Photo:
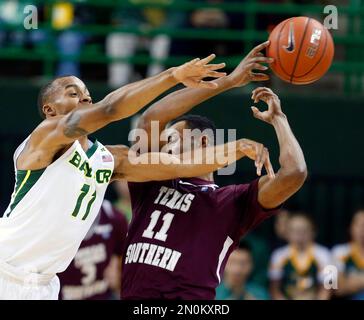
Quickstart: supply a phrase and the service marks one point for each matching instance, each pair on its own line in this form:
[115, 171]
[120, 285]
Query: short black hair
[194, 121]
[45, 93]
[357, 211]
[244, 245]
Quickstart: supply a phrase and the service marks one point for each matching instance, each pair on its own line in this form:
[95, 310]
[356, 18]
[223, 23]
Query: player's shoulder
[36, 150]
[280, 254]
[234, 188]
[240, 191]
[46, 126]
[320, 249]
[322, 254]
[42, 129]
[341, 251]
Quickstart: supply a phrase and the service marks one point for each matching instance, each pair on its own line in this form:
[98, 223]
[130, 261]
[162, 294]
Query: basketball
[302, 49]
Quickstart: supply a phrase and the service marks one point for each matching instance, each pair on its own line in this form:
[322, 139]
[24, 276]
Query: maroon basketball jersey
[84, 278]
[181, 235]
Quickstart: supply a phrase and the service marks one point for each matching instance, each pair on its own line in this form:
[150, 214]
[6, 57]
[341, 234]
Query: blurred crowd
[291, 265]
[299, 268]
[71, 44]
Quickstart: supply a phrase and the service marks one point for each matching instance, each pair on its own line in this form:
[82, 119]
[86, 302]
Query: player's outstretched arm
[293, 171]
[156, 166]
[57, 132]
[126, 101]
[182, 101]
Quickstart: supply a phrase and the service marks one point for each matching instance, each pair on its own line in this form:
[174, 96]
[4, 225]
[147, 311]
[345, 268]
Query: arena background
[327, 116]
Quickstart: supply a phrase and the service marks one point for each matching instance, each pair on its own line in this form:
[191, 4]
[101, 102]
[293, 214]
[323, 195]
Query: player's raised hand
[260, 154]
[192, 73]
[243, 73]
[271, 99]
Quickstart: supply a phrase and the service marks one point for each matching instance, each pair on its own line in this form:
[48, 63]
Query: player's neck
[84, 142]
[360, 247]
[208, 177]
[302, 248]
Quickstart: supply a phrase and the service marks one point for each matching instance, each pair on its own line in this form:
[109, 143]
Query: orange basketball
[302, 49]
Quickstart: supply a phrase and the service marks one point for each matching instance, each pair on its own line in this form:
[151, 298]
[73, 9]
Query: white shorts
[15, 285]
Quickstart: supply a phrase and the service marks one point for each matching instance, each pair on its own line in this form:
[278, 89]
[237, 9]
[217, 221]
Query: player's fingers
[257, 90]
[258, 66]
[215, 66]
[216, 74]
[262, 59]
[207, 59]
[259, 168]
[268, 166]
[263, 89]
[260, 77]
[254, 96]
[258, 157]
[191, 82]
[256, 112]
[260, 47]
[194, 61]
[262, 95]
[262, 159]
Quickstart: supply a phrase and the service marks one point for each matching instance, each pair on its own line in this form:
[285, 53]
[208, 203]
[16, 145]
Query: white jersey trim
[227, 244]
[213, 186]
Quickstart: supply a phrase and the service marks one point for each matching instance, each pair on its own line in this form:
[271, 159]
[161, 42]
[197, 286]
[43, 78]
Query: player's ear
[49, 110]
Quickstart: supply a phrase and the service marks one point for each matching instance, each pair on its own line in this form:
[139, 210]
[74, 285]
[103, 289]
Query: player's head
[188, 132]
[301, 229]
[357, 227]
[62, 95]
[239, 265]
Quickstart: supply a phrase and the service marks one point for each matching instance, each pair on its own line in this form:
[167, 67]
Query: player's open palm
[192, 73]
[271, 99]
[255, 60]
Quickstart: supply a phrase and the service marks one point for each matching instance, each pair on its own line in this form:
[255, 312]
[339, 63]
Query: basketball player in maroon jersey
[183, 230]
